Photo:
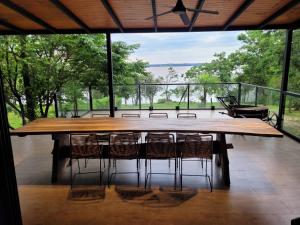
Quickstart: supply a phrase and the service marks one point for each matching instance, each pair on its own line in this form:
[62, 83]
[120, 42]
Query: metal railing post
[256, 92]
[55, 105]
[91, 98]
[285, 74]
[188, 96]
[140, 97]
[239, 92]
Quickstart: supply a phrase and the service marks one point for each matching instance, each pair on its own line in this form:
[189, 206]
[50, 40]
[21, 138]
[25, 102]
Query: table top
[244, 126]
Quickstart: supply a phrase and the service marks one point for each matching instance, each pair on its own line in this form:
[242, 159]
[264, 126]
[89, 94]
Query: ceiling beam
[196, 14]
[150, 30]
[113, 14]
[153, 2]
[237, 13]
[27, 14]
[71, 15]
[295, 24]
[11, 26]
[278, 13]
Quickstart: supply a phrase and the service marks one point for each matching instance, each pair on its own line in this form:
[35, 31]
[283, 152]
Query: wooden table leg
[224, 159]
[55, 158]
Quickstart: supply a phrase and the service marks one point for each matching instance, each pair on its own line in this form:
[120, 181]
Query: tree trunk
[30, 101]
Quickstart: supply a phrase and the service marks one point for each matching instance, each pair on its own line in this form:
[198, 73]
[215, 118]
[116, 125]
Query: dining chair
[196, 146]
[159, 115]
[100, 115]
[131, 115]
[123, 146]
[160, 146]
[84, 146]
[182, 135]
[186, 116]
[103, 138]
[138, 135]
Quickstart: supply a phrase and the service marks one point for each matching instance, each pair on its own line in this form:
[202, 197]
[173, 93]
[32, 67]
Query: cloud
[192, 47]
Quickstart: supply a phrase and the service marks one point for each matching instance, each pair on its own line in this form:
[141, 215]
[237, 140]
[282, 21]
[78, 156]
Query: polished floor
[265, 187]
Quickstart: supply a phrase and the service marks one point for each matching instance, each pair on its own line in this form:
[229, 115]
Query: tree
[170, 77]
[35, 68]
[150, 91]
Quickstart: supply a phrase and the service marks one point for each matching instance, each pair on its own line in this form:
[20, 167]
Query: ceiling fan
[181, 10]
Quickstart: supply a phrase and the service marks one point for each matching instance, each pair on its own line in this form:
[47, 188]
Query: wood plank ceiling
[92, 16]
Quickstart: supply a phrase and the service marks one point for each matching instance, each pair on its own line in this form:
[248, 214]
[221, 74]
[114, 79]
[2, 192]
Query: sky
[193, 47]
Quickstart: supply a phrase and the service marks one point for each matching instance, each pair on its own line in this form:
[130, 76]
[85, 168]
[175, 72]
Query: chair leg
[100, 171]
[181, 174]
[212, 172]
[108, 173]
[146, 171]
[71, 173]
[175, 174]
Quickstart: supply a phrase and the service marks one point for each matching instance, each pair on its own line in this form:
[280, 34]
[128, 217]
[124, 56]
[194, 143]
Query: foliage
[35, 68]
[170, 77]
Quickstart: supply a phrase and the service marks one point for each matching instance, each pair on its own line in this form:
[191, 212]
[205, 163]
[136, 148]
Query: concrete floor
[265, 187]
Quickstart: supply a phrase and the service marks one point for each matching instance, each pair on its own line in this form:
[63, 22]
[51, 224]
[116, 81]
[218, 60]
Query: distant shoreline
[175, 64]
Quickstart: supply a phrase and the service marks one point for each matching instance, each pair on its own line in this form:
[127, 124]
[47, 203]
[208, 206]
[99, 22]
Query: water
[163, 71]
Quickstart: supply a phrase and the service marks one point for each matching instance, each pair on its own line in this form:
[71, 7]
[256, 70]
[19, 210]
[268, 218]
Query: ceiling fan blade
[185, 19]
[157, 15]
[203, 11]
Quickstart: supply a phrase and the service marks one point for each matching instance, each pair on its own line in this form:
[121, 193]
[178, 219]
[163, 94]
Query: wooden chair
[84, 146]
[196, 146]
[123, 146]
[160, 146]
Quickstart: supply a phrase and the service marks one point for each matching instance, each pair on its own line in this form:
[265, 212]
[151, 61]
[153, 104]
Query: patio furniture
[158, 115]
[160, 146]
[84, 146]
[186, 116]
[196, 146]
[123, 146]
[101, 115]
[131, 115]
[64, 126]
[237, 110]
[182, 135]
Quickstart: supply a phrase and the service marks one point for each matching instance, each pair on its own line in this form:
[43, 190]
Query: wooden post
[110, 76]
[10, 212]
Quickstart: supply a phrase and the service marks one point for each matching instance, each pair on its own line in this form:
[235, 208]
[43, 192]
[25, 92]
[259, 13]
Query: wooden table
[62, 126]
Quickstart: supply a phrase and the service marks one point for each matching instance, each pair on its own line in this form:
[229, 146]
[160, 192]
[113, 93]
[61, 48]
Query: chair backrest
[131, 115]
[158, 115]
[123, 145]
[84, 146]
[228, 102]
[187, 116]
[100, 115]
[160, 145]
[196, 145]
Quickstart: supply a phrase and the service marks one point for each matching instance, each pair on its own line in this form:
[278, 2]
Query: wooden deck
[265, 188]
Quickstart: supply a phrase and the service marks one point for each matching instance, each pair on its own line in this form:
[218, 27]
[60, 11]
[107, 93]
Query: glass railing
[180, 96]
[259, 95]
[291, 117]
[73, 103]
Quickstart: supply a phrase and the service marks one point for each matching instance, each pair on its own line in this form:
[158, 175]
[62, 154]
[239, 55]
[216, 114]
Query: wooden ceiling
[93, 16]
